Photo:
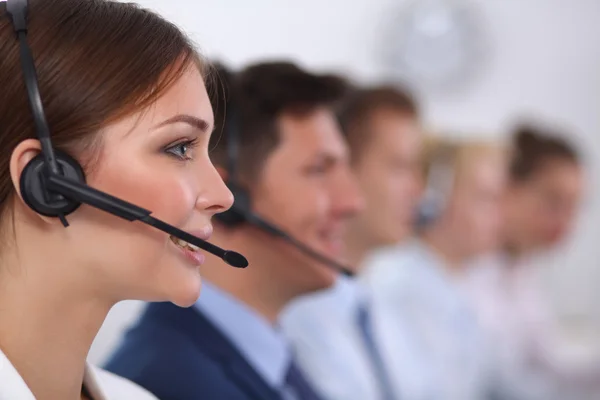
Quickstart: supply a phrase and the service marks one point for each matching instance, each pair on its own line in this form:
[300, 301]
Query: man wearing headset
[284, 157]
[339, 334]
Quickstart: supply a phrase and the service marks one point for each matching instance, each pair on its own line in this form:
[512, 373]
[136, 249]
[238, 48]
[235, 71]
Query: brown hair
[534, 147]
[355, 111]
[257, 96]
[97, 61]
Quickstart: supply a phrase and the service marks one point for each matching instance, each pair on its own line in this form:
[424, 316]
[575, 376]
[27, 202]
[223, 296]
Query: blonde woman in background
[416, 286]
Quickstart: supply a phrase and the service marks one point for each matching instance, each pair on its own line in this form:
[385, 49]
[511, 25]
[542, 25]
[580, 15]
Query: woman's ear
[20, 157]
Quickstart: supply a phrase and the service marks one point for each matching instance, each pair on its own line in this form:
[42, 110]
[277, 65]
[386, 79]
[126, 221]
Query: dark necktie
[366, 329]
[296, 381]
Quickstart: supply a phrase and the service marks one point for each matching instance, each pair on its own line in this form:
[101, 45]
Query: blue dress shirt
[257, 339]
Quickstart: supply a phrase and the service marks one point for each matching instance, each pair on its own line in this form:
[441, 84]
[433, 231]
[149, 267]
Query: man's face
[307, 189]
[545, 207]
[387, 169]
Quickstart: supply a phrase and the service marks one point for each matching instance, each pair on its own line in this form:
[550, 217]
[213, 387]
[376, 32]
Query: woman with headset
[417, 285]
[123, 93]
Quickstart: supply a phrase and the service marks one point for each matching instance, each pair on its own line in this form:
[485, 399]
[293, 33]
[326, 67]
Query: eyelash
[189, 144]
[316, 170]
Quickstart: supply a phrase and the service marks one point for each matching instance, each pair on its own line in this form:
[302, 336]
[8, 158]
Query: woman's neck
[46, 330]
[447, 251]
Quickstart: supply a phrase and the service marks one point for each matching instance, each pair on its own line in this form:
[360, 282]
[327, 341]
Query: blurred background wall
[477, 67]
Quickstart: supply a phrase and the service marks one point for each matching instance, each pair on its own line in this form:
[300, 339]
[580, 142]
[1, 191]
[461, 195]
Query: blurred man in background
[335, 332]
[283, 146]
[546, 181]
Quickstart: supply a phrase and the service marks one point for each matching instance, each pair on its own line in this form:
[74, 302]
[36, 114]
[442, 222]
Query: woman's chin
[172, 280]
[186, 294]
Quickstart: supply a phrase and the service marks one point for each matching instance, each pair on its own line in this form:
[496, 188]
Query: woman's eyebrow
[195, 122]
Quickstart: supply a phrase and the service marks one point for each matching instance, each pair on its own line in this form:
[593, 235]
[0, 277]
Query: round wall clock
[435, 44]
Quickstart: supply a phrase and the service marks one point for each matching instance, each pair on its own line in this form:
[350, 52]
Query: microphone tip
[235, 259]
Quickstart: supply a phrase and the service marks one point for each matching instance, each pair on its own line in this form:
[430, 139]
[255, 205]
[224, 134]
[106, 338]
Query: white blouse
[102, 385]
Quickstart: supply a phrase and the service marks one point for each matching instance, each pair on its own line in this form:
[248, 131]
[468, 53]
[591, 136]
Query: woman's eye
[316, 170]
[181, 150]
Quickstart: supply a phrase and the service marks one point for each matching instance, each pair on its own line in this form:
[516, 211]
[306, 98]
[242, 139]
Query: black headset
[241, 211]
[440, 181]
[53, 183]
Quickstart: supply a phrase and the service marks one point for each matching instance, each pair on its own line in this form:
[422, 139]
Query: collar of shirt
[319, 311]
[347, 295]
[13, 386]
[100, 384]
[263, 346]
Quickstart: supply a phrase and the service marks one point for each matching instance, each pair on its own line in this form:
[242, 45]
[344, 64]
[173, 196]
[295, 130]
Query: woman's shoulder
[114, 387]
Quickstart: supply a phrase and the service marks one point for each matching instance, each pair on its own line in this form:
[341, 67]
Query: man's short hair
[534, 146]
[258, 96]
[355, 112]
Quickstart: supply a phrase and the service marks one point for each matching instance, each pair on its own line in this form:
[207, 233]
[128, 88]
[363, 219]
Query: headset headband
[17, 12]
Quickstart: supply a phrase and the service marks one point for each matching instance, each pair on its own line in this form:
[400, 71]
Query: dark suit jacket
[178, 354]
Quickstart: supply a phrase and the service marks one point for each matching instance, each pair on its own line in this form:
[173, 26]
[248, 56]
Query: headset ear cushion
[37, 197]
[428, 211]
[238, 212]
